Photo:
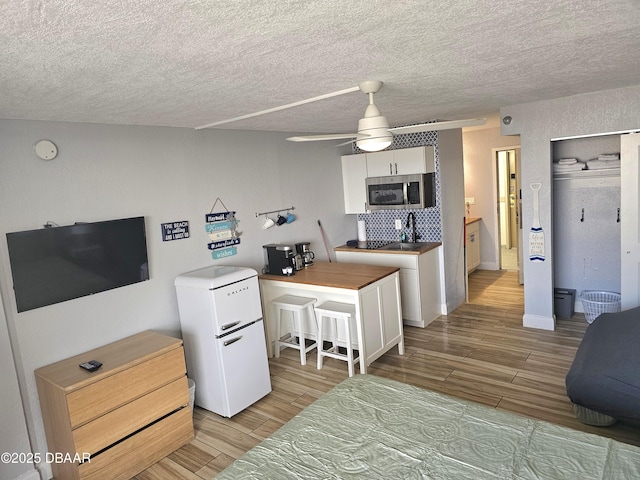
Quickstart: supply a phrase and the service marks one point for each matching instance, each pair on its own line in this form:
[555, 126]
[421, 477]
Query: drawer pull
[229, 325]
[226, 343]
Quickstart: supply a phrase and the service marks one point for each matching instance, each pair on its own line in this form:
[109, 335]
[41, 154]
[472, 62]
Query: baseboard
[30, 475]
[488, 266]
[539, 321]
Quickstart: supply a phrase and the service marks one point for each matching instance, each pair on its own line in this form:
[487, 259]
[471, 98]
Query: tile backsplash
[380, 225]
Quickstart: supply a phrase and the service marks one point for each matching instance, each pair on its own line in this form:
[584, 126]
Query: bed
[604, 379]
[369, 427]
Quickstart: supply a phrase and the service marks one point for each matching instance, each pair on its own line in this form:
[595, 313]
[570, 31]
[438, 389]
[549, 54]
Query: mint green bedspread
[369, 427]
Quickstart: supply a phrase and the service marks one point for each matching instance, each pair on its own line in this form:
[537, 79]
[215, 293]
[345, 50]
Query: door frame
[496, 226]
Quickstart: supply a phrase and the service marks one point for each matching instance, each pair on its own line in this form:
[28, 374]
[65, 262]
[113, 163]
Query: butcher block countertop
[470, 220]
[424, 248]
[337, 275]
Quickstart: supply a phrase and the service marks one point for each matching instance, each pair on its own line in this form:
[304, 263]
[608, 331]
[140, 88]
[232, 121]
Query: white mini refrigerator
[223, 335]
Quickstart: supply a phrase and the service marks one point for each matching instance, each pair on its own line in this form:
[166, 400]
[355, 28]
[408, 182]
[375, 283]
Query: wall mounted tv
[56, 264]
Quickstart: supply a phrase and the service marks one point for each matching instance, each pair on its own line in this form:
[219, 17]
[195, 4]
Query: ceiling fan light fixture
[375, 144]
[377, 133]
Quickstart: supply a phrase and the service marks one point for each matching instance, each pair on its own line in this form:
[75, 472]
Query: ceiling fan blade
[435, 126]
[348, 142]
[330, 136]
[282, 107]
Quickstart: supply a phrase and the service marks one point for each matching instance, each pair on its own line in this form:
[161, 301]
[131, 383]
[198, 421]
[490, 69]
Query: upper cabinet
[356, 168]
[354, 171]
[404, 161]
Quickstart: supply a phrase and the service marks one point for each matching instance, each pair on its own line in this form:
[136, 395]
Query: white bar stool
[297, 306]
[344, 312]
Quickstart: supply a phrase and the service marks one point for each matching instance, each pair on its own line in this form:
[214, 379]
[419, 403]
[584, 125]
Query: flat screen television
[56, 264]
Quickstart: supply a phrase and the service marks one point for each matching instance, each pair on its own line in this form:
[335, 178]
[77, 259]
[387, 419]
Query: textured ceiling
[190, 63]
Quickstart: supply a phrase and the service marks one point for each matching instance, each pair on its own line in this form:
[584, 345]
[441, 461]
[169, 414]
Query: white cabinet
[354, 172]
[404, 161]
[420, 291]
[473, 246]
[380, 317]
[356, 168]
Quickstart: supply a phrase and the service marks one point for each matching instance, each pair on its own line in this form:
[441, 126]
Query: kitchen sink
[409, 246]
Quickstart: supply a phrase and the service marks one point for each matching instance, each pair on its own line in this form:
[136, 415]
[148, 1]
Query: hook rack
[582, 215]
[275, 211]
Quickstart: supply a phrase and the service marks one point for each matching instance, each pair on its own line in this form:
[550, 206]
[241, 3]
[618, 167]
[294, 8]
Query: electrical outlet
[470, 200]
[398, 224]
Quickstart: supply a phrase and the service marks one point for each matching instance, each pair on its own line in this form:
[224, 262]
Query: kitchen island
[373, 290]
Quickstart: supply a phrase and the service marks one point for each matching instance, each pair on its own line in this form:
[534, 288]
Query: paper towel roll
[362, 231]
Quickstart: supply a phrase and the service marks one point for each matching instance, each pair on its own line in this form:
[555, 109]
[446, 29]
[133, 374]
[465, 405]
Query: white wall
[165, 174]
[537, 123]
[14, 438]
[452, 205]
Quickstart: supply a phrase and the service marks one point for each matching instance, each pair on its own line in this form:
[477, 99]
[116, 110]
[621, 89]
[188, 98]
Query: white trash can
[192, 392]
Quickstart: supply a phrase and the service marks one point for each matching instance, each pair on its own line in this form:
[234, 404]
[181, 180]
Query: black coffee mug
[281, 220]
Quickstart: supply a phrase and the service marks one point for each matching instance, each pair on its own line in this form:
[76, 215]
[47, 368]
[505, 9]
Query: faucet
[411, 220]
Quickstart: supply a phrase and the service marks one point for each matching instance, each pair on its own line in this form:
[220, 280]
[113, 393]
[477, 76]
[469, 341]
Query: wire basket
[597, 302]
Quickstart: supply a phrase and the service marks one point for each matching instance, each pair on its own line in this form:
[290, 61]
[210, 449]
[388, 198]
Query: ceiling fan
[374, 133]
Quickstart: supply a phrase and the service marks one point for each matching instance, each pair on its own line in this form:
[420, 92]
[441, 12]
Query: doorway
[502, 285]
[509, 204]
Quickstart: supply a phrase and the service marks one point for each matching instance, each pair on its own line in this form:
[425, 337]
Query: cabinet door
[473, 246]
[372, 328]
[380, 317]
[414, 160]
[404, 161]
[354, 173]
[391, 324]
[410, 295]
[380, 164]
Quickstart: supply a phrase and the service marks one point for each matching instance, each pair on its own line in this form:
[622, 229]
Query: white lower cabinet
[473, 246]
[420, 290]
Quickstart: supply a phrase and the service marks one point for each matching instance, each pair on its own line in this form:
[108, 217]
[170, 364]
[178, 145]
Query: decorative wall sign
[221, 227]
[536, 235]
[224, 243]
[175, 230]
[219, 217]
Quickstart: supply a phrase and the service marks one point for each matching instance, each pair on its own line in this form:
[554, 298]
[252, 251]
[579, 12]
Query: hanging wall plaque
[221, 227]
[175, 230]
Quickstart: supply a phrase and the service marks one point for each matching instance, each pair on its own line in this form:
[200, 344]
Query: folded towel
[567, 161]
[597, 164]
[609, 156]
[563, 168]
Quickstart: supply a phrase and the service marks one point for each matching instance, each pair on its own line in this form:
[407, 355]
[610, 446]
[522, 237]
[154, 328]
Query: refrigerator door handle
[226, 343]
[229, 325]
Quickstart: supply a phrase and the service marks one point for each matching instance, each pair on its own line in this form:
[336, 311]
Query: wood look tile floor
[480, 352]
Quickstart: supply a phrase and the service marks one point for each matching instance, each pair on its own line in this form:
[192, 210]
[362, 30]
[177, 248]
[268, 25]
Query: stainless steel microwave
[401, 191]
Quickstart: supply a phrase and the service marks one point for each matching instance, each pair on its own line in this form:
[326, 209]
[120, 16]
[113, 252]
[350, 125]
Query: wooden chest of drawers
[125, 416]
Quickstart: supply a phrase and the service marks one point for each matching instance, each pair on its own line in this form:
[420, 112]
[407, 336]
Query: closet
[586, 217]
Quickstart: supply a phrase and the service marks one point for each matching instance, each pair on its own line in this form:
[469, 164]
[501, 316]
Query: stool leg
[301, 342]
[319, 340]
[311, 312]
[277, 342]
[349, 347]
[334, 334]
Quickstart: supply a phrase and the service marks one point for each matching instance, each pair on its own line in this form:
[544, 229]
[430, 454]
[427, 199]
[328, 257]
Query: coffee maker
[307, 255]
[279, 259]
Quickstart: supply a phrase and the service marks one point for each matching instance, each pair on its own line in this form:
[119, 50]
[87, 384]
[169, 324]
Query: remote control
[91, 365]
